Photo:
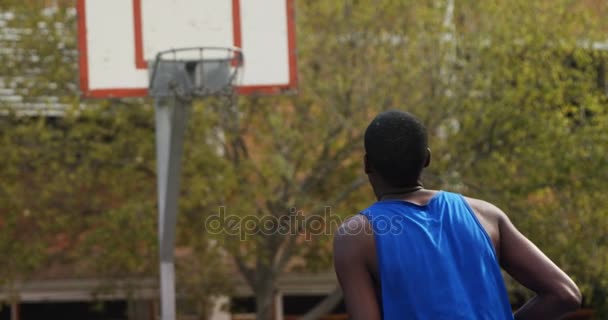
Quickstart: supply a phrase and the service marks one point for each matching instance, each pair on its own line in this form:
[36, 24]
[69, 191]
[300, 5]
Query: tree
[25, 220]
[78, 191]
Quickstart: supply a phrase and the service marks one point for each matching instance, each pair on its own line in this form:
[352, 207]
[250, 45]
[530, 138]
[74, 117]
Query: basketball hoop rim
[233, 56]
[200, 49]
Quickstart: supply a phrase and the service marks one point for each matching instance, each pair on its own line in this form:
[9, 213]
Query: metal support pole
[171, 120]
[278, 305]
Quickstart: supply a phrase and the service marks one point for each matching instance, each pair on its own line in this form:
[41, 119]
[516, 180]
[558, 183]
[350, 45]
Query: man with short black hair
[427, 254]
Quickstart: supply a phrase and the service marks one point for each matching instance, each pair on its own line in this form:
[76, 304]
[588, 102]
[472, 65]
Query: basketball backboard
[119, 38]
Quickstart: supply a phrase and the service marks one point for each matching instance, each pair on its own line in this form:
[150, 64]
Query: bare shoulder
[491, 218]
[353, 238]
[486, 209]
[353, 227]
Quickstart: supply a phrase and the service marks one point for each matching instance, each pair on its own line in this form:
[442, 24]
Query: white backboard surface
[118, 38]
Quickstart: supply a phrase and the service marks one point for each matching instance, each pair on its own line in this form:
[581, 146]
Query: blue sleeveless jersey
[436, 261]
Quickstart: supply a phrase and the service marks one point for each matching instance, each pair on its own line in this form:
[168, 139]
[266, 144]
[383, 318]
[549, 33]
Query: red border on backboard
[140, 62]
[293, 67]
[84, 66]
[237, 37]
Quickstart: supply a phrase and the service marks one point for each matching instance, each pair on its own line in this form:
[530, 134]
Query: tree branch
[246, 271]
[326, 163]
[284, 253]
[349, 189]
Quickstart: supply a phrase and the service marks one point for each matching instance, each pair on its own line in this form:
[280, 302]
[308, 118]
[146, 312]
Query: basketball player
[426, 254]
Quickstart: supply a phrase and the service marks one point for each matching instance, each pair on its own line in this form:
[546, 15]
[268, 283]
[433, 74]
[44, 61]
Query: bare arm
[556, 293]
[352, 243]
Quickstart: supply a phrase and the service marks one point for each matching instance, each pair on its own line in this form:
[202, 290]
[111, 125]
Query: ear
[368, 166]
[428, 158]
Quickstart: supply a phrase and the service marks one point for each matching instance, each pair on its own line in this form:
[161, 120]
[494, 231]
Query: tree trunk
[263, 306]
[15, 311]
[325, 306]
[264, 300]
